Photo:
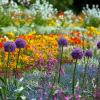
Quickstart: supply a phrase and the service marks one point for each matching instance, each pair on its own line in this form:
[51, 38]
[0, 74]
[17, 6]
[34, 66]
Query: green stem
[73, 80]
[6, 75]
[84, 76]
[17, 62]
[83, 43]
[61, 56]
[7, 65]
[98, 76]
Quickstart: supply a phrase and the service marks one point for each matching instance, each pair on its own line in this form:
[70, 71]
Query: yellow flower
[92, 29]
[97, 32]
[16, 22]
[32, 33]
[10, 34]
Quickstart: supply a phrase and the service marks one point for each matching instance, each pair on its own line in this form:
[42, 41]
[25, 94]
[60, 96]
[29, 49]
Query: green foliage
[39, 20]
[61, 4]
[10, 89]
[32, 1]
[92, 21]
[5, 20]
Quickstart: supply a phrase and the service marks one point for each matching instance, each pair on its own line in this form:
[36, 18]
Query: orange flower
[90, 34]
[22, 36]
[76, 40]
[28, 46]
[61, 14]
[4, 40]
[30, 36]
[78, 34]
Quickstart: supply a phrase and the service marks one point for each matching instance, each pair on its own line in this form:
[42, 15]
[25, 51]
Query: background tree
[79, 4]
[61, 4]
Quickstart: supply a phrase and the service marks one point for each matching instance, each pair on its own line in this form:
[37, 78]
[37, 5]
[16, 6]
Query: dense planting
[49, 56]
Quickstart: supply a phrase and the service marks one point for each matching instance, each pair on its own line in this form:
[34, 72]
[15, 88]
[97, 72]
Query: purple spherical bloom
[20, 43]
[98, 44]
[62, 42]
[89, 53]
[77, 53]
[9, 46]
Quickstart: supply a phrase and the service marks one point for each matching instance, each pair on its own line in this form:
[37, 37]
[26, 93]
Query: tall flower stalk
[76, 54]
[9, 47]
[88, 55]
[84, 74]
[62, 42]
[20, 43]
[74, 77]
[98, 76]
[7, 67]
[61, 56]
[17, 61]
[98, 69]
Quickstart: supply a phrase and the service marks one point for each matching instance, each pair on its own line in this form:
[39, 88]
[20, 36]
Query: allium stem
[7, 65]
[61, 56]
[83, 43]
[98, 76]
[17, 62]
[73, 80]
[85, 71]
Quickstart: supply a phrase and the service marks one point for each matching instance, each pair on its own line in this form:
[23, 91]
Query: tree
[61, 4]
[79, 4]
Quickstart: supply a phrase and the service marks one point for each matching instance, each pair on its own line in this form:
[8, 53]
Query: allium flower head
[98, 44]
[20, 43]
[62, 42]
[9, 46]
[89, 53]
[77, 53]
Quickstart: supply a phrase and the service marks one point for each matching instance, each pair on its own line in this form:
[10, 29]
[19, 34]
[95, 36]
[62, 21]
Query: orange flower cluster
[41, 46]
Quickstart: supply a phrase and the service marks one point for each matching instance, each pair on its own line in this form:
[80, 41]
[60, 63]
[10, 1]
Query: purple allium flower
[77, 53]
[98, 44]
[62, 42]
[89, 53]
[9, 46]
[20, 43]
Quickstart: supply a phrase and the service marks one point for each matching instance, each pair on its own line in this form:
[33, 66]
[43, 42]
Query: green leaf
[3, 80]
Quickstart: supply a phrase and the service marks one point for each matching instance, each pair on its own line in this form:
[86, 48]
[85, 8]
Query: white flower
[19, 90]
[33, 99]
[94, 11]
[45, 9]
[21, 79]
[23, 97]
